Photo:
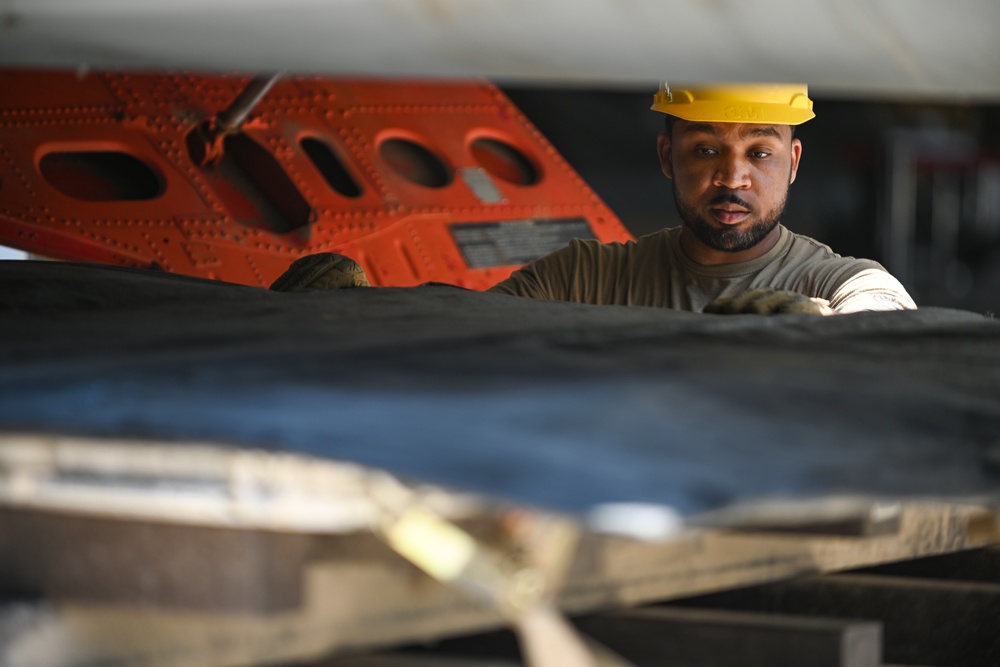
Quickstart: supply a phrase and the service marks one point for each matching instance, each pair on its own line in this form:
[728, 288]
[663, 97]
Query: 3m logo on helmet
[744, 112]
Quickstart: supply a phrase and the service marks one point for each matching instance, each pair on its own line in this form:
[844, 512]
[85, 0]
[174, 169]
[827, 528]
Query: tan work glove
[767, 301]
[322, 271]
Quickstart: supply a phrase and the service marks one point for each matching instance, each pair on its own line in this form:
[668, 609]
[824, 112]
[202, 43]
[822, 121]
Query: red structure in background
[419, 182]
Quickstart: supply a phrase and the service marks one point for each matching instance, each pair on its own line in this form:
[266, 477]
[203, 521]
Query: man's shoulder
[802, 248]
[800, 243]
[813, 267]
[656, 240]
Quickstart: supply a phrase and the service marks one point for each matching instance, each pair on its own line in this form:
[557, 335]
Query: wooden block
[403, 660]
[150, 565]
[925, 621]
[664, 637]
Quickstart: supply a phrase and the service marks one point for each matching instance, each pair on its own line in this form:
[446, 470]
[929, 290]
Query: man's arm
[567, 274]
[871, 289]
[526, 281]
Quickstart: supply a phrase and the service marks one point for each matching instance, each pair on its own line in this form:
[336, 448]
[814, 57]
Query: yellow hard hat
[769, 103]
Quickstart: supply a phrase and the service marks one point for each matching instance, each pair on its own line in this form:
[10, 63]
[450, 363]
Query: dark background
[943, 187]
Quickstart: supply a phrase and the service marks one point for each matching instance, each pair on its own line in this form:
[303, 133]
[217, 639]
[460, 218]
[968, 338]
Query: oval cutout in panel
[256, 189]
[415, 163]
[100, 176]
[328, 163]
[504, 161]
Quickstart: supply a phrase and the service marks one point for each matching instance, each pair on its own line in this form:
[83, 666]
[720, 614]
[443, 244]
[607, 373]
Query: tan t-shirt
[654, 271]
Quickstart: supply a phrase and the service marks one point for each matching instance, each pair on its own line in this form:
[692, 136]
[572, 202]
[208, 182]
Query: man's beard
[729, 239]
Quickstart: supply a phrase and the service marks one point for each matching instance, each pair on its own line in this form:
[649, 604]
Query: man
[731, 154]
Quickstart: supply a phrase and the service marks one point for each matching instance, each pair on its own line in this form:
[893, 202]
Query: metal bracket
[519, 580]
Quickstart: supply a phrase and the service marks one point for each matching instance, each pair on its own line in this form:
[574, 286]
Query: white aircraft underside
[887, 48]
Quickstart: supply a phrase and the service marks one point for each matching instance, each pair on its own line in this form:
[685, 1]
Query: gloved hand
[322, 271]
[768, 301]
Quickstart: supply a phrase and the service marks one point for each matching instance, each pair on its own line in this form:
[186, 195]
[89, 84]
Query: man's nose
[732, 172]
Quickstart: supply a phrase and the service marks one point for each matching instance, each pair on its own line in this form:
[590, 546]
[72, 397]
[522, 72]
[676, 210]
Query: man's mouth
[729, 209]
[729, 215]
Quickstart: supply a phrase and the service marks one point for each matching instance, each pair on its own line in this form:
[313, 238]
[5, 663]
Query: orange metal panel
[419, 182]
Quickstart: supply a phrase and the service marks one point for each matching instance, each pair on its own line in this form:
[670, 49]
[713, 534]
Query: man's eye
[759, 154]
[705, 151]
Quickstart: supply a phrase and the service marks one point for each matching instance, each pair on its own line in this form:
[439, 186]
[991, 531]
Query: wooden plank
[861, 525]
[973, 565]
[614, 572]
[925, 621]
[664, 637]
[846, 516]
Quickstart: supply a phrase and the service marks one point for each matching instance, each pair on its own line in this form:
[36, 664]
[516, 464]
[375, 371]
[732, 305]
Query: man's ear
[663, 150]
[796, 155]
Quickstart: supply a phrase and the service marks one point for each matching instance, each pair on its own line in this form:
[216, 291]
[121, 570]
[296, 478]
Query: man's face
[730, 179]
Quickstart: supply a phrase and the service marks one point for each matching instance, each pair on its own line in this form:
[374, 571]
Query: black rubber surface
[555, 404]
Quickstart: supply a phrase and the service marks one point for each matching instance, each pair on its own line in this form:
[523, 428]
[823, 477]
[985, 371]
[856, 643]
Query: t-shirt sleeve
[585, 271]
[547, 277]
[871, 289]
